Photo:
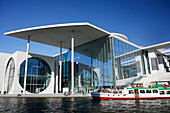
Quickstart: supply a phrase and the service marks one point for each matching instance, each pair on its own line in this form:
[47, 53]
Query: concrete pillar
[56, 76]
[26, 65]
[92, 68]
[72, 63]
[113, 60]
[60, 63]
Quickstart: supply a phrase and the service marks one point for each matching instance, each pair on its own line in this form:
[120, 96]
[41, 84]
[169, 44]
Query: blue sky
[144, 22]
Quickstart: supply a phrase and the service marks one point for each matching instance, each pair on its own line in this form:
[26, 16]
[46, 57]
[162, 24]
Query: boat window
[115, 92]
[148, 91]
[162, 93]
[131, 92]
[168, 92]
[155, 91]
[142, 91]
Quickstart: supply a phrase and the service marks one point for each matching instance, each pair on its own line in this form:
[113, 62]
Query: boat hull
[127, 98]
[112, 96]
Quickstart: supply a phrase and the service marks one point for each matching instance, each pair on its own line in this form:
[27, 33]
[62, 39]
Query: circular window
[38, 75]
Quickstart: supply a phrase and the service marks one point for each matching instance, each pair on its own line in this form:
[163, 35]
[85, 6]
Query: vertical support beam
[56, 75]
[72, 63]
[113, 60]
[26, 64]
[92, 69]
[60, 67]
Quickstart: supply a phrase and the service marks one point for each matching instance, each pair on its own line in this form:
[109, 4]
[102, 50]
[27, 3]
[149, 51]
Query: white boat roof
[54, 34]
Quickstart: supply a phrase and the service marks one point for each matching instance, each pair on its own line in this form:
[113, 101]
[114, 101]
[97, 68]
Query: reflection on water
[61, 105]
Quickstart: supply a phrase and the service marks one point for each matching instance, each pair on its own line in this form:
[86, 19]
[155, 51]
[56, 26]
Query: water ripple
[83, 105]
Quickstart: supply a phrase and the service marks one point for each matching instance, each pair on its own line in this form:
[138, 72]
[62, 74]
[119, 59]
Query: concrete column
[26, 65]
[60, 63]
[72, 63]
[56, 76]
[113, 60]
[91, 68]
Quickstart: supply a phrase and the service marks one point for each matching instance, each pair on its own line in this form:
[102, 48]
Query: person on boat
[68, 93]
[157, 85]
[65, 93]
[116, 91]
[108, 90]
[102, 89]
[168, 83]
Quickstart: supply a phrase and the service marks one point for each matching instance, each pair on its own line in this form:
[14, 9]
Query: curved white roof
[54, 34]
[121, 36]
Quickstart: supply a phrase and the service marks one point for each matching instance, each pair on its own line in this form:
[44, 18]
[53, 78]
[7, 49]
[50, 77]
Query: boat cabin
[149, 91]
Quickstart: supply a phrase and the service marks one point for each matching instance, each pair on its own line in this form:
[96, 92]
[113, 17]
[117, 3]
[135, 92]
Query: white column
[60, 67]
[92, 68]
[72, 63]
[56, 75]
[26, 64]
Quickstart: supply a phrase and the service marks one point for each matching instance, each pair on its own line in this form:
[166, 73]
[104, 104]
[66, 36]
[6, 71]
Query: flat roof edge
[53, 26]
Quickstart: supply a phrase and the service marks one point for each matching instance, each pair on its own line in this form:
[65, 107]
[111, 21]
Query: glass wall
[121, 47]
[38, 75]
[93, 65]
[127, 65]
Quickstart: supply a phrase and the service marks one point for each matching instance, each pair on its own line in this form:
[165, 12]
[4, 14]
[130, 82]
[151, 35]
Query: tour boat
[135, 93]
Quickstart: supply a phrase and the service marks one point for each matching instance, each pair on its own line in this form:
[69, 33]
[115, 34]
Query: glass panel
[93, 66]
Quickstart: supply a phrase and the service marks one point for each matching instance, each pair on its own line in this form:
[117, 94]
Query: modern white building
[95, 57]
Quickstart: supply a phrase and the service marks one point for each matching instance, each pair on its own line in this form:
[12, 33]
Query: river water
[82, 105]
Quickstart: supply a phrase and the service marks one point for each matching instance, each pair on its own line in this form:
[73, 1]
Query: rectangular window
[160, 59]
[138, 66]
[168, 92]
[131, 92]
[148, 91]
[142, 91]
[154, 64]
[155, 91]
[162, 92]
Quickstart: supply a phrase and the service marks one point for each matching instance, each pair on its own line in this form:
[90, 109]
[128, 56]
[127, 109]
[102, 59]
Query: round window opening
[38, 75]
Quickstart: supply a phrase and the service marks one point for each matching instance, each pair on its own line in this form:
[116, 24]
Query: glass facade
[121, 47]
[38, 75]
[127, 65]
[93, 65]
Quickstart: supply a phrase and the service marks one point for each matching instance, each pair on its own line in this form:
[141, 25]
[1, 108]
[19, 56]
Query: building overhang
[54, 34]
[158, 46]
